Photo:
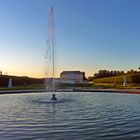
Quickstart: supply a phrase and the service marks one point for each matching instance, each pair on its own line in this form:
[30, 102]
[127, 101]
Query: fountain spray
[52, 46]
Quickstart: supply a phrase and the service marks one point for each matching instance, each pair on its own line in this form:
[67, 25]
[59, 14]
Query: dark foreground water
[76, 116]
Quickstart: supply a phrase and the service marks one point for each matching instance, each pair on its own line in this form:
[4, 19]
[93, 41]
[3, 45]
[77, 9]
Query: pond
[76, 115]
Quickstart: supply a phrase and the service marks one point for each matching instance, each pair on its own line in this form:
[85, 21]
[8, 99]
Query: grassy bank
[133, 81]
[28, 87]
[131, 78]
[117, 86]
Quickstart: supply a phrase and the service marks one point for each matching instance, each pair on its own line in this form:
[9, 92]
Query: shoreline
[130, 91]
[20, 91]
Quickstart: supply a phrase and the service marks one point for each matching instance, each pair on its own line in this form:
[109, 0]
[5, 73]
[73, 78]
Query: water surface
[77, 116]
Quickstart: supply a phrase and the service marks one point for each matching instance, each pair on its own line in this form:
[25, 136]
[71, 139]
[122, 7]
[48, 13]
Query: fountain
[51, 51]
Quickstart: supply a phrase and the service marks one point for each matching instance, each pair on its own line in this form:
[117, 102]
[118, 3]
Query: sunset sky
[90, 35]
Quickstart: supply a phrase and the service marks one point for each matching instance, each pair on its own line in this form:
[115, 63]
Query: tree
[90, 78]
[106, 73]
[84, 77]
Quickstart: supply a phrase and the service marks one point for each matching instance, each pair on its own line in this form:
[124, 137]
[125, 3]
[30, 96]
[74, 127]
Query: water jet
[51, 42]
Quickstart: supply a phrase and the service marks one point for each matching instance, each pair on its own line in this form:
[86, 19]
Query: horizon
[90, 36]
[58, 76]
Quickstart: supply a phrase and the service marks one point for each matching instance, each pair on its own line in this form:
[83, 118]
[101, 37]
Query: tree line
[107, 73]
[19, 81]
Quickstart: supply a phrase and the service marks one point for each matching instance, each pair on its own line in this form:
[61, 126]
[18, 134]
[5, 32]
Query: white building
[71, 77]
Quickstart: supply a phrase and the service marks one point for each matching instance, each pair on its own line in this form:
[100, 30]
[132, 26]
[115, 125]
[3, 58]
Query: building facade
[71, 77]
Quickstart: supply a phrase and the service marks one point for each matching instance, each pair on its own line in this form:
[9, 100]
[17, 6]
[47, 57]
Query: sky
[90, 35]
